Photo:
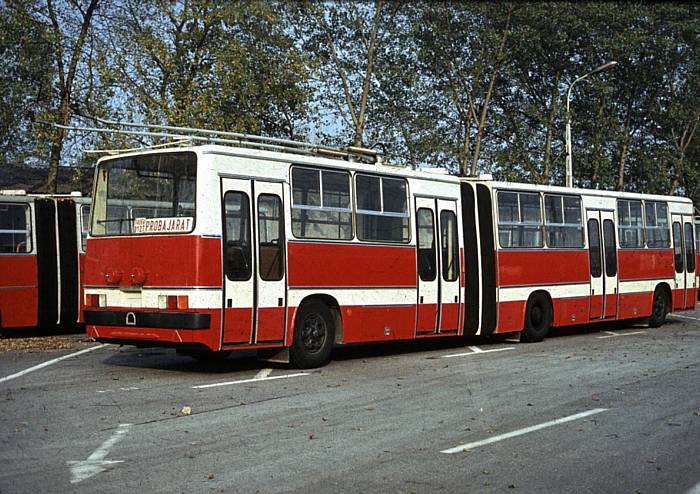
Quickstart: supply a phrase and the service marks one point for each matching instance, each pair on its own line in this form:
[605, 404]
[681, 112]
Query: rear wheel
[314, 333]
[659, 308]
[538, 318]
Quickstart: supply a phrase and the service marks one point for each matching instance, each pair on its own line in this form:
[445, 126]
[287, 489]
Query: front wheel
[538, 318]
[659, 309]
[314, 333]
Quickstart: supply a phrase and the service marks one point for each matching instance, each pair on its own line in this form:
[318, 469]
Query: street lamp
[569, 161]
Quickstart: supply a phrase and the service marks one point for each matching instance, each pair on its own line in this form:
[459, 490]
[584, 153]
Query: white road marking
[263, 374]
[476, 350]
[130, 388]
[50, 362]
[96, 463]
[694, 490]
[520, 432]
[255, 379]
[613, 335]
[684, 317]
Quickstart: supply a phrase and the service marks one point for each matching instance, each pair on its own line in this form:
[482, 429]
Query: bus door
[427, 266]
[683, 261]
[602, 255]
[449, 266]
[253, 249]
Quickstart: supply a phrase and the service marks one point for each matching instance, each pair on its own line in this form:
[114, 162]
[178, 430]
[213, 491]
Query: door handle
[421, 299]
[456, 298]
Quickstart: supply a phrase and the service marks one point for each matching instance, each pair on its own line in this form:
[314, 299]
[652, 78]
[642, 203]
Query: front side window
[630, 223]
[15, 232]
[147, 194]
[657, 230]
[237, 247]
[382, 208]
[563, 222]
[519, 219]
[321, 204]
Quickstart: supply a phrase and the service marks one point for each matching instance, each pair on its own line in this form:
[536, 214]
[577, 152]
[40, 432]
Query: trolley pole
[569, 155]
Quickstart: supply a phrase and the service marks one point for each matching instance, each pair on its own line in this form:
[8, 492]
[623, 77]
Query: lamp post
[569, 157]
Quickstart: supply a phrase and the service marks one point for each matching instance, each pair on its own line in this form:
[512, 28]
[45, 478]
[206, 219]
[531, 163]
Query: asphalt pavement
[589, 410]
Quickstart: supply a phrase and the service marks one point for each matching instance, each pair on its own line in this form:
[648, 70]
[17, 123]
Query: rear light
[95, 300]
[173, 302]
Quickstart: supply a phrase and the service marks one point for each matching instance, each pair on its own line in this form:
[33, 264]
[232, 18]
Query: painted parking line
[476, 351]
[96, 463]
[684, 317]
[252, 380]
[694, 490]
[50, 362]
[612, 334]
[520, 432]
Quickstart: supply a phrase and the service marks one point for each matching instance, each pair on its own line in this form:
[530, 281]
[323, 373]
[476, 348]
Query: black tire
[538, 319]
[314, 335]
[659, 308]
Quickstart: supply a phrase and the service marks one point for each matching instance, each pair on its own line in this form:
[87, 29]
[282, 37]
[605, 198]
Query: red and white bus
[215, 248]
[42, 244]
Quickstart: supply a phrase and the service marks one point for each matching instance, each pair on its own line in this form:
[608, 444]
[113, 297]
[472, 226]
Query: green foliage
[472, 86]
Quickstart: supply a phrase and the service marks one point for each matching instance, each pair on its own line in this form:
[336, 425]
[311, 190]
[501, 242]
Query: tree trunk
[489, 91]
[547, 171]
[66, 84]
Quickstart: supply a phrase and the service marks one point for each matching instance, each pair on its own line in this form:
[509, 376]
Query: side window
[630, 223]
[677, 247]
[689, 248]
[426, 244]
[450, 245]
[237, 250]
[321, 204]
[382, 209]
[594, 256]
[610, 248]
[84, 224]
[270, 237]
[563, 222]
[15, 231]
[656, 230]
[519, 219]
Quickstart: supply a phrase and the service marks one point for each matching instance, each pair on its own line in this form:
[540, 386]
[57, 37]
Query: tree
[207, 64]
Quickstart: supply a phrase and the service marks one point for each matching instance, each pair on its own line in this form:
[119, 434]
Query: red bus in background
[289, 251]
[552, 256]
[42, 245]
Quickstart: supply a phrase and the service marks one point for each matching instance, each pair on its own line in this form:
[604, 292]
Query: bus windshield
[153, 193]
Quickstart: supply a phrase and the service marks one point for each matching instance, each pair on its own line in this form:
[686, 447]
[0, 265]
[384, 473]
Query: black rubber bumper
[143, 319]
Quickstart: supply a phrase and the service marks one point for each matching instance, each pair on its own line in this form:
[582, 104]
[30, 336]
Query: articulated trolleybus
[292, 249]
[42, 245]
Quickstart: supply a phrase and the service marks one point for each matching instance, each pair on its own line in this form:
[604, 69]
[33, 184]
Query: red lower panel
[427, 317]
[366, 323]
[211, 338]
[238, 324]
[511, 316]
[635, 305]
[18, 307]
[569, 311]
[611, 305]
[691, 298]
[678, 296]
[596, 307]
[449, 317]
[270, 324]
